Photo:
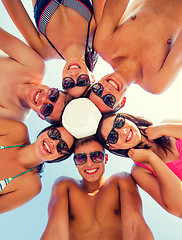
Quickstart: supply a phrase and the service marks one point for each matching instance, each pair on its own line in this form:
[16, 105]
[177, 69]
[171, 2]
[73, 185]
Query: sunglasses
[53, 95]
[81, 158]
[54, 134]
[108, 99]
[82, 81]
[119, 122]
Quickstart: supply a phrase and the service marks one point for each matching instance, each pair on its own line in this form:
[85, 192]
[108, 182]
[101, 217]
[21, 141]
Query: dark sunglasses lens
[46, 109]
[54, 133]
[53, 94]
[62, 147]
[97, 156]
[83, 80]
[80, 158]
[68, 83]
[109, 100]
[97, 89]
[112, 137]
[119, 121]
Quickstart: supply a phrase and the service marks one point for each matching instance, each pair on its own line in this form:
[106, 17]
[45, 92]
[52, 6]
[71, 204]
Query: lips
[129, 136]
[113, 83]
[46, 147]
[36, 97]
[73, 66]
[91, 171]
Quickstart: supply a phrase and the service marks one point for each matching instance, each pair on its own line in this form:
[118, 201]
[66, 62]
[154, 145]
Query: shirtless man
[95, 208]
[21, 73]
[143, 44]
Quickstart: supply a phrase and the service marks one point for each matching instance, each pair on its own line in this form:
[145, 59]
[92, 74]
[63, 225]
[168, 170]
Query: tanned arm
[133, 224]
[58, 222]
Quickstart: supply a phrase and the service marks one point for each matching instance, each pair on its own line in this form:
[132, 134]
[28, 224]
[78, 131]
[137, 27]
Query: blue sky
[28, 222]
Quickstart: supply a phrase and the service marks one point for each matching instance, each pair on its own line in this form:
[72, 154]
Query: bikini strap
[2, 147]
[23, 172]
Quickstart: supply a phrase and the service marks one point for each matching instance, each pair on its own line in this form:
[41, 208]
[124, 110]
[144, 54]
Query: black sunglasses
[119, 122]
[82, 81]
[53, 95]
[81, 158]
[108, 99]
[55, 134]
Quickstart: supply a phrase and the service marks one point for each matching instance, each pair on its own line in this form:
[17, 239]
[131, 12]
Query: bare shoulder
[123, 179]
[64, 182]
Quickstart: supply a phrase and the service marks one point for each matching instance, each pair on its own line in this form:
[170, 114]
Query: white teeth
[37, 96]
[91, 171]
[47, 147]
[129, 136]
[113, 84]
[73, 66]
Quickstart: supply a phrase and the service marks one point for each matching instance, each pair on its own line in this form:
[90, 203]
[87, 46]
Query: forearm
[23, 22]
[170, 185]
[172, 129]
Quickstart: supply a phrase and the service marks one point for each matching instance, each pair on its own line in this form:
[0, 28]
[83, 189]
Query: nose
[89, 162]
[123, 131]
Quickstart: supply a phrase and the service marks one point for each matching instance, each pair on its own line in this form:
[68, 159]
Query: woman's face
[128, 136]
[49, 148]
[76, 77]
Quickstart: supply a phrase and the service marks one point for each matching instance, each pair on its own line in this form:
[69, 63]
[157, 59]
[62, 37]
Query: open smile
[36, 97]
[73, 66]
[91, 171]
[129, 136]
[46, 147]
[113, 83]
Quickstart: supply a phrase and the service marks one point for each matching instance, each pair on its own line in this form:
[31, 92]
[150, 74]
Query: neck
[93, 187]
[28, 158]
[128, 69]
[74, 51]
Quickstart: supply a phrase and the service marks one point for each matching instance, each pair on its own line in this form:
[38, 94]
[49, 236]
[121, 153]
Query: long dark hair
[142, 123]
[65, 156]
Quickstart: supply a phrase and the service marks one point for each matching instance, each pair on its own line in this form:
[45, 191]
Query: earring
[106, 157]
[123, 102]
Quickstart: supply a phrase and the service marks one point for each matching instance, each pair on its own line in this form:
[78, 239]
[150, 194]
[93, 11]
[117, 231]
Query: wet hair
[65, 156]
[82, 141]
[142, 123]
[67, 99]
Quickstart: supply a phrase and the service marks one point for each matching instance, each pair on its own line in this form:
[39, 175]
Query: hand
[154, 132]
[140, 155]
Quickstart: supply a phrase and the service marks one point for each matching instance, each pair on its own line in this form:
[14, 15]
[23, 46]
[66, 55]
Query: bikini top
[175, 166]
[43, 11]
[4, 182]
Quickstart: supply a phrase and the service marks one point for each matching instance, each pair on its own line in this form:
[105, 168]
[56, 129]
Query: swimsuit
[175, 166]
[4, 182]
[44, 9]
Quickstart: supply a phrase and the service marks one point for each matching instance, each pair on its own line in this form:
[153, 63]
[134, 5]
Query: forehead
[107, 126]
[99, 103]
[88, 147]
[66, 136]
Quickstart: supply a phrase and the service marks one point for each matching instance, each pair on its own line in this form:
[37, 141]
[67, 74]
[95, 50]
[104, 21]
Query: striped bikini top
[4, 182]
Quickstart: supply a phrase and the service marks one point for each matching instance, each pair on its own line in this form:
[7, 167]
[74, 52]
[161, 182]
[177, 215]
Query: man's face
[113, 85]
[90, 171]
[38, 99]
[75, 73]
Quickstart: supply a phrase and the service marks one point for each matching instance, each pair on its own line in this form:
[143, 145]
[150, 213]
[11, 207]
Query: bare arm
[23, 54]
[98, 9]
[165, 76]
[171, 129]
[58, 223]
[23, 22]
[25, 192]
[134, 226]
[113, 11]
[166, 189]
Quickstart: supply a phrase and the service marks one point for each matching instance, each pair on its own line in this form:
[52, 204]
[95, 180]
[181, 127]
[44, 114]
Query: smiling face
[90, 171]
[73, 69]
[128, 136]
[36, 97]
[112, 84]
[47, 148]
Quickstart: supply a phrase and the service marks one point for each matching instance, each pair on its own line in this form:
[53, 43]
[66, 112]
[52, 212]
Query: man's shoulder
[65, 181]
[122, 179]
